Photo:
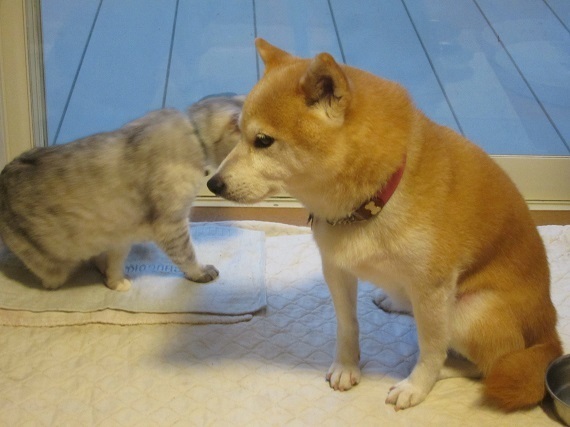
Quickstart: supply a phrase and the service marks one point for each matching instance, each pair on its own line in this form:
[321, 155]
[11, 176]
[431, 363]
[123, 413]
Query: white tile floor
[498, 71]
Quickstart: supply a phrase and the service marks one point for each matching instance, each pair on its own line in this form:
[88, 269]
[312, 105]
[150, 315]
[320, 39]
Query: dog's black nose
[216, 185]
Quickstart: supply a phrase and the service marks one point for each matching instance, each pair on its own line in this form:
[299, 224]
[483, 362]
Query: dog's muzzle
[216, 185]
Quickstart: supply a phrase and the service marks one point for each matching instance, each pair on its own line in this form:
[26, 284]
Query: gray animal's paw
[205, 274]
[122, 284]
[51, 285]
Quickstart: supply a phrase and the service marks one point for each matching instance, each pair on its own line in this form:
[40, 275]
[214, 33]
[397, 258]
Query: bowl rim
[552, 364]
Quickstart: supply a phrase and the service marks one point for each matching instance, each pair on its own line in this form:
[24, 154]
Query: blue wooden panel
[126, 66]
[213, 50]
[562, 10]
[66, 25]
[540, 46]
[302, 27]
[124, 70]
[493, 104]
[378, 36]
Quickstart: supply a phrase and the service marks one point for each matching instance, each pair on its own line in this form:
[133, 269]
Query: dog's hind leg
[392, 301]
[457, 366]
[52, 273]
[51, 270]
[483, 329]
[512, 348]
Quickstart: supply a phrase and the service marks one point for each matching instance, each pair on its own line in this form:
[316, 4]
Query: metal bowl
[558, 386]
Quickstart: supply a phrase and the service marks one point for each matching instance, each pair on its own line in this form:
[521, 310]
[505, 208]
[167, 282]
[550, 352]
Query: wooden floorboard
[304, 27]
[213, 51]
[378, 36]
[124, 70]
[528, 28]
[494, 106]
[561, 8]
[469, 64]
[66, 28]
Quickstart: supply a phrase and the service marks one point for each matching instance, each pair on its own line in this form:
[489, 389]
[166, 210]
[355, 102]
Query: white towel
[159, 292]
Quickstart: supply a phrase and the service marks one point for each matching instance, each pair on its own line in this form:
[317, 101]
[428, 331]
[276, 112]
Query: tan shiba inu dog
[410, 206]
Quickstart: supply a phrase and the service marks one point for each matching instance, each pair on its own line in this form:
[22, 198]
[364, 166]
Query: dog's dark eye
[263, 141]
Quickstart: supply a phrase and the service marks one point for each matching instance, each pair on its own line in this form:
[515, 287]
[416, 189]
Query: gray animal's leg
[174, 239]
[111, 264]
[52, 273]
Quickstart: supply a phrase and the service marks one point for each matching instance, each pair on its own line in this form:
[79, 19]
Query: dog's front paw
[206, 273]
[405, 395]
[343, 377]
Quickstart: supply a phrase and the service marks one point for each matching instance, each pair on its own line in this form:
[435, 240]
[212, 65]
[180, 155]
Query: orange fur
[456, 239]
[516, 380]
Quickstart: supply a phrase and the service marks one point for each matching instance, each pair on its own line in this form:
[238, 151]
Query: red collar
[374, 205]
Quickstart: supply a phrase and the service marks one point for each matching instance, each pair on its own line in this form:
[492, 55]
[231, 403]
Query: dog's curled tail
[516, 380]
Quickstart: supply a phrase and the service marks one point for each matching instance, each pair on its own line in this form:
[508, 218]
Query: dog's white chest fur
[388, 261]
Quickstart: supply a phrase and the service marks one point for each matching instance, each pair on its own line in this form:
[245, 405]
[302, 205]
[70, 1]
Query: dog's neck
[375, 204]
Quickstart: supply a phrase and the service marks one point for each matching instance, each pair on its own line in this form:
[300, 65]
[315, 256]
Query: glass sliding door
[471, 65]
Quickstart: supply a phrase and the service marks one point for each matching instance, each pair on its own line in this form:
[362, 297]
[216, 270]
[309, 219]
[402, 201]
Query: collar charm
[373, 206]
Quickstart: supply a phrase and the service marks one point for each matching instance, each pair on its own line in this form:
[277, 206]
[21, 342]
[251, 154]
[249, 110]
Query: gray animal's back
[71, 199]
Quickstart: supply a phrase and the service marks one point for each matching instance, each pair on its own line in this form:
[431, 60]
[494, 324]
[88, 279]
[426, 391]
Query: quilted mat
[269, 371]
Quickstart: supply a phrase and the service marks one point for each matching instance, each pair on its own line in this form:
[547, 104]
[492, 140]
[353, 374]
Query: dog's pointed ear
[326, 86]
[270, 54]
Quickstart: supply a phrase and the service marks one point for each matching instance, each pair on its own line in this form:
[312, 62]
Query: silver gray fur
[94, 197]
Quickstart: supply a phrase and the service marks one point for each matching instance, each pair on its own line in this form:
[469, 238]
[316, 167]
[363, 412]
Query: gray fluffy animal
[94, 197]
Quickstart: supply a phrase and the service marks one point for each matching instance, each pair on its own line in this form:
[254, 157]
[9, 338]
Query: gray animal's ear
[233, 124]
[326, 86]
